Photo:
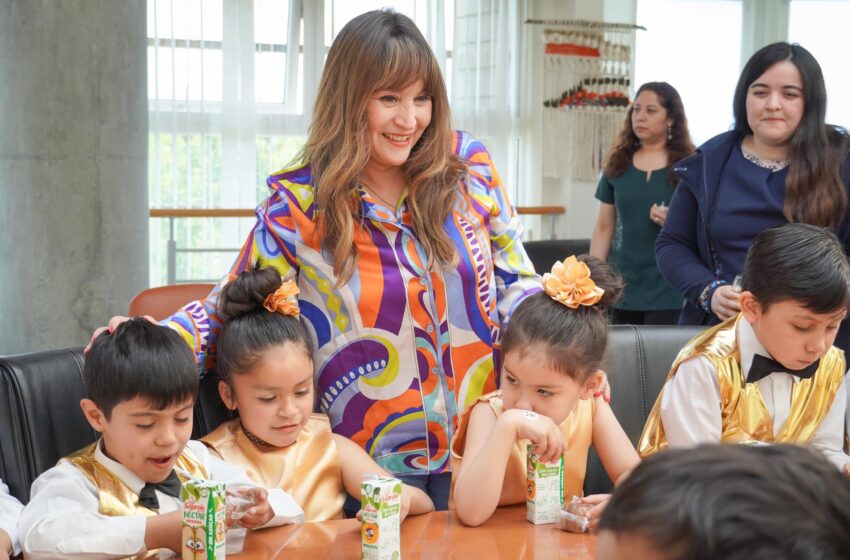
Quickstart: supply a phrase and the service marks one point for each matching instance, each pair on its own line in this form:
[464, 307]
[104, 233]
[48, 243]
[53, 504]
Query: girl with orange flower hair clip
[549, 397]
[265, 366]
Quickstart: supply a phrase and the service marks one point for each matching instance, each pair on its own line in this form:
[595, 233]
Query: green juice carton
[545, 496]
[380, 499]
[204, 523]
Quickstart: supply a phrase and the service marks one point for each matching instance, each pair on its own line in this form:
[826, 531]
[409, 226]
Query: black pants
[662, 317]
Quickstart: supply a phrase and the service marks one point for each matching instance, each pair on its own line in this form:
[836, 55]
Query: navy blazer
[683, 248]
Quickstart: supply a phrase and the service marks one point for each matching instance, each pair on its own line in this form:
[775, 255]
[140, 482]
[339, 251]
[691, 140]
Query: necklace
[771, 164]
[374, 193]
[255, 439]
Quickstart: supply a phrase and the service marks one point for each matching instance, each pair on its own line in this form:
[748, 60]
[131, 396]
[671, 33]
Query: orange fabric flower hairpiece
[284, 300]
[570, 283]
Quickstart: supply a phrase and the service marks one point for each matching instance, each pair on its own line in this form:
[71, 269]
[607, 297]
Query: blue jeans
[437, 486]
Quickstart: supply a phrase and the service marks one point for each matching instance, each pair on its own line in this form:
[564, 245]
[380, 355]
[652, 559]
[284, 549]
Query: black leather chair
[40, 416]
[41, 421]
[210, 412]
[547, 252]
[637, 363]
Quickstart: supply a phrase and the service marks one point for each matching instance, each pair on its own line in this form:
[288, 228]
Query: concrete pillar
[73, 167]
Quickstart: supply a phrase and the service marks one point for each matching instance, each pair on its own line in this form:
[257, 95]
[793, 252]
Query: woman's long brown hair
[679, 146]
[375, 51]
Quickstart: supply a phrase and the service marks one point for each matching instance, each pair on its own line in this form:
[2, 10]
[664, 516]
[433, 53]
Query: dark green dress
[633, 244]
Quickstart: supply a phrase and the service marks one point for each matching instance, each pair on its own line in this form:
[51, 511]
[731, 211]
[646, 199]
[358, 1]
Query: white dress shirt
[10, 510]
[62, 520]
[691, 406]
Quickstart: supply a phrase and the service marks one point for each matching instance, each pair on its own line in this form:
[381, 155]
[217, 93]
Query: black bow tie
[170, 486]
[762, 367]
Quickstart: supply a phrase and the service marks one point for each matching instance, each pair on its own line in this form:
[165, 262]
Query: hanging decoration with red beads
[587, 83]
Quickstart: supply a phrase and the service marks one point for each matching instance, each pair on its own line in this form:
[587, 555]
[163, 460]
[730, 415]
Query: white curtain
[486, 77]
[226, 108]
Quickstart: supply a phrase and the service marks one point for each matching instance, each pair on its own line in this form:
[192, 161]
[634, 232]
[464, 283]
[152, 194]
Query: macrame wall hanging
[587, 79]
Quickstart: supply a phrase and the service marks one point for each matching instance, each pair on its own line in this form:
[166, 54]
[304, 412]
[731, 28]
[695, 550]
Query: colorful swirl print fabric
[400, 349]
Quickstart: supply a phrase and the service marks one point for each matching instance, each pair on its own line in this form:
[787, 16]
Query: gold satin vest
[309, 469]
[116, 498]
[743, 413]
[577, 429]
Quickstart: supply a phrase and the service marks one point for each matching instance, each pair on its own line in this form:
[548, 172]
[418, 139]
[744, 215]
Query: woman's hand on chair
[604, 389]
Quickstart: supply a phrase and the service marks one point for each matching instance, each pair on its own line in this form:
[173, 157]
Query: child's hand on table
[258, 514]
[599, 501]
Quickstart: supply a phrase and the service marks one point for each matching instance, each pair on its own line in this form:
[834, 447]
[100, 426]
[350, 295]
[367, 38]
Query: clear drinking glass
[234, 540]
[736, 283]
[238, 500]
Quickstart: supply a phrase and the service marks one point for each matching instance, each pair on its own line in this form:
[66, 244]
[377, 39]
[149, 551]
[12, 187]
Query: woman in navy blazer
[780, 163]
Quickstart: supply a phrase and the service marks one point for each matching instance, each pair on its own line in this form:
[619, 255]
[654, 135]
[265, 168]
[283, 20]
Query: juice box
[380, 499]
[203, 520]
[545, 489]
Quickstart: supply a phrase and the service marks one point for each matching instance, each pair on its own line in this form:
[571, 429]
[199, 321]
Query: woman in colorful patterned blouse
[405, 249]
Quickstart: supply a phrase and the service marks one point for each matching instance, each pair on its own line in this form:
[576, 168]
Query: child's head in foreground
[796, 291]
[265, 356]
[734, 502]
[556, 339]
[141, 385]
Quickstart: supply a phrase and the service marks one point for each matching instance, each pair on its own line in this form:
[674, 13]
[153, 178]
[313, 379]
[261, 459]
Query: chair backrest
[40, 416]
[210, 412]
[546, 252]
[637, 363]
[163, 301]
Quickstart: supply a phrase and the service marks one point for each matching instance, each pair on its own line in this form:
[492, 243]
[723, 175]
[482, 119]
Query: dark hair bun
[248, 291]
[606, 278]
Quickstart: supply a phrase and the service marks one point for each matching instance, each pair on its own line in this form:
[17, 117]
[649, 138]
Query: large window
[699, 46]
[695, 45]
[821, 27]
[230, 88]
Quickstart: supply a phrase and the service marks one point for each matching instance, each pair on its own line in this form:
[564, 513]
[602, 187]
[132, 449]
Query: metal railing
[172, 214]
[551, 211]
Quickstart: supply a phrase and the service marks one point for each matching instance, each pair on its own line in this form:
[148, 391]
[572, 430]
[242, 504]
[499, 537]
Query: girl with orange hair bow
[265, 366]
[549, 397]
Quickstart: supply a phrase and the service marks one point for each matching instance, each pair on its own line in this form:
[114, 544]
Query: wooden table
[505, 536]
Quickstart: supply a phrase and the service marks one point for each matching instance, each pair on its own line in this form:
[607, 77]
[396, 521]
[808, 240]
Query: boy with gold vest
[769, 374]
[119, 497]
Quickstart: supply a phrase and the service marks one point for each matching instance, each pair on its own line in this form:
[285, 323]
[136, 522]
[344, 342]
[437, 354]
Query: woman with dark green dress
[634, 193]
